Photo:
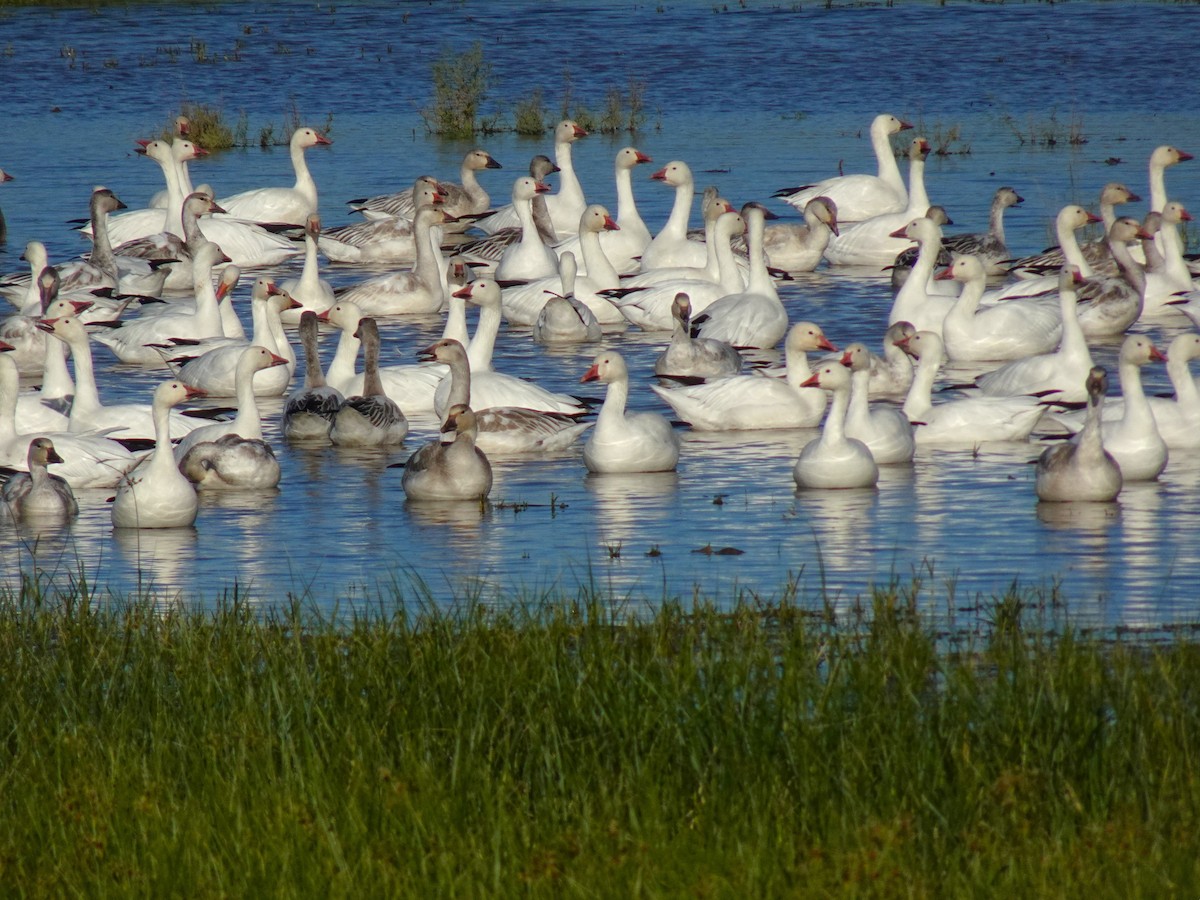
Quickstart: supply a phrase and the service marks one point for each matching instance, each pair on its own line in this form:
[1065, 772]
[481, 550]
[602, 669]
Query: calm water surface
[753, 99]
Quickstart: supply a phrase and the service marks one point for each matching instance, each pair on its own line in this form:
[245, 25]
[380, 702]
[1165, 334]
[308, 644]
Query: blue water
[754, 99]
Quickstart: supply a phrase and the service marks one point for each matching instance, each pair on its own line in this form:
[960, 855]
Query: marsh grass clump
[1046, 132]
[461, 82]
[568, 743]
[208, 128]
[529, 115]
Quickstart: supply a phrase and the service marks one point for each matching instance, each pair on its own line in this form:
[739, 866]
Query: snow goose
[746, 402]
[1070, 219]
[871, 242]
[138, 223]
[622, 441]
[967, 420]
[624, 245]
[1178, 418]
[412, 292]
[991, 246]
[503, 227]
[140, 342]
[689, 357]
[1167, 272]
[490, 388]
[799, 248]
[467, 198]
[859, 197]
[451, 467]
[309, 290]
[214, 371]
[378, 241]
[566, 205]
[169, 247]
[755, 317]
[1008, 330]
[1111, 304]
[834, 460]
[503, 429]
[649, 308]
[122, 273]
[156, 494]
[1082, 469]
[369, 419]
[1133, 440]
[1160, 160]
[247, 424]
[914, 302]
[37, 494]
[309, 411]
[885, 430]
[713, 208]
[123, 421]
[523, 302]
[892, 373]
[282, 205]
[528, 258]
[671, 246]
[1061, 374]
[564, 319]
[91, 460]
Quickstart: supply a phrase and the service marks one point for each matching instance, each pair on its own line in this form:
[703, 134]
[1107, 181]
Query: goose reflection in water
[628, 501]
[836, 527]
[160, 560]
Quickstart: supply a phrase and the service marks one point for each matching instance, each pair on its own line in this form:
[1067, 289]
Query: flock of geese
[156, 291]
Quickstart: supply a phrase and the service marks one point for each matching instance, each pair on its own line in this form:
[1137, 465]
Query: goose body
[1133, 440]
[452, 467]
[417, 291]
[282, 205]
[1009, 330]
[1081, 470]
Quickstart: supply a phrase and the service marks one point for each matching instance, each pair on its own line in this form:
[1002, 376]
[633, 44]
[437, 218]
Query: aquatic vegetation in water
[1047, 132]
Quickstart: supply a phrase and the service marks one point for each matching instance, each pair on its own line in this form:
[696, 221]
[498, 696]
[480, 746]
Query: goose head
[607, 368]
[675, 174]
[628, 157]
[596, 219]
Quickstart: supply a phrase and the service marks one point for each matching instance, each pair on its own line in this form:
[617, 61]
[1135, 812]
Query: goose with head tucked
[503, 429]
[624, 441]
[692, 357]
[37, 494]
[965, 420]
[833, 460]
[156, 494]
[369, 419]
[860, 196]
[563, 318]
[885, 429]
[752, 402]
[450, 467]
[1081, 469]
[282, 205]
[231, 462]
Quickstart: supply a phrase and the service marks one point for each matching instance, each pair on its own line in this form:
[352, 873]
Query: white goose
[834, 460]
[625, 244]
[885, 430]
[503, 429]
[1082, 469]
[247, 424]
[37, 494]
[750, 402]
[282, 205]
[859, 197]
[1044, 266]
[1133, 440]
[1160, 160]
[713, 208]
[450, 469]
[755, 317]
[566, 205]
[689, 357]
[623, 441]
[1062, 373]
[1167, 272]
[389, 240]
[156, 494]
[969, 420]
[122, 421]
[914, 302]
[309, 290]
[140, 342]
[528, 258]
[309, 411]
[91, 460]
[412, 292]
[671, 246]
[1009, 330]
[138, 223]
[369, 419]
[490, 388]
[800, 248]
[872, 242]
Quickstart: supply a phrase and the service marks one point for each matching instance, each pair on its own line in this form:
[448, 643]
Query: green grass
[561, 746]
